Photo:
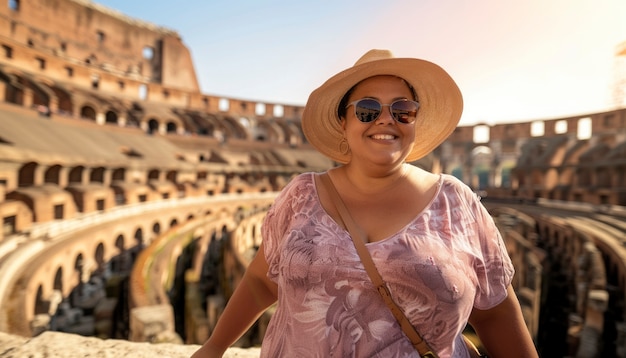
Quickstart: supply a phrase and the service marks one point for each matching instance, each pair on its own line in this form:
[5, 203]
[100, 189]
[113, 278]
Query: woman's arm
[254, 294]
[502, 329]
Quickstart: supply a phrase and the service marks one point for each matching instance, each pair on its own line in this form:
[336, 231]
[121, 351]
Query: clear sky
[514, 60]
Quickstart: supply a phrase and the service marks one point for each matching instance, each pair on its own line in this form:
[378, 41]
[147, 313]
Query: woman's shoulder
[300, 181]
[454, 182]
[451, 185]
[299, 185]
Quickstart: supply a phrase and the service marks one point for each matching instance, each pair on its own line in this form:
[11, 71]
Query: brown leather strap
[359, 243]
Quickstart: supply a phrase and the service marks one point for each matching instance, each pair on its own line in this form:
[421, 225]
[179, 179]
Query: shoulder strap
[358, 238]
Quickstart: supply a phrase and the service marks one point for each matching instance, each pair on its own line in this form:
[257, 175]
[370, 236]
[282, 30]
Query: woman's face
[383, 141]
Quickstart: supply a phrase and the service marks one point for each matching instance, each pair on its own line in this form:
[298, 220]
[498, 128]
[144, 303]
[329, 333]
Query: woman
[432, 241]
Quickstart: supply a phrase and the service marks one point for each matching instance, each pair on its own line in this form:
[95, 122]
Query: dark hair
[342, 110]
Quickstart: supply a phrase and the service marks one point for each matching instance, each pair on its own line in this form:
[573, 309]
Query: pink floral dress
[448, 259]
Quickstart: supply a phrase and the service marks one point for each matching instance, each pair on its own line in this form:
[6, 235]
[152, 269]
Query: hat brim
[441, 105]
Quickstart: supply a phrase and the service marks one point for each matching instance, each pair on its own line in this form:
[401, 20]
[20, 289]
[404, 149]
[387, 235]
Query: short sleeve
[493, 266]
[278, 220]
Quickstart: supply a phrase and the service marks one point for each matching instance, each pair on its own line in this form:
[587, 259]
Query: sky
[514, 61]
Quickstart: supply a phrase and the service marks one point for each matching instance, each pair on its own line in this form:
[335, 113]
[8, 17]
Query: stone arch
[88, 112]
[120, 242]
[153, 125]
[97, 175]
[482, 170]
[41, 93]
[154, 174]
[292, 133]
[78, 262]
[156, 228]
[80, 266]
[138, 236]
[58, 279]
[171, 127]
[26, 175]
[118, 174]
[276, 134]
[53, 174]
[171, 175]
[203, 122]
[233, 128]
[75, 175]
[65, 104]
[14, 91]
[111, 117]
[41, 304]
[99, 257]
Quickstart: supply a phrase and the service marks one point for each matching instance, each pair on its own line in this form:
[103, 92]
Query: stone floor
[63, 345]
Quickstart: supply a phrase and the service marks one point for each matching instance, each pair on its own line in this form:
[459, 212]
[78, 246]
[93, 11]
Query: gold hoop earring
[344, 147]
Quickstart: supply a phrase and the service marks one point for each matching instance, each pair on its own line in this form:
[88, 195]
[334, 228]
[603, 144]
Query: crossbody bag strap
[357, 237]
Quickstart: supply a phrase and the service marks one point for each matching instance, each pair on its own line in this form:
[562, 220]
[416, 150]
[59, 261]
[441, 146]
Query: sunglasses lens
[367, 110]
[404, 111]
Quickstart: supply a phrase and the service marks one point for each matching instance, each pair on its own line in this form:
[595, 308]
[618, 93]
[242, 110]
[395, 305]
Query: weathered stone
[149, 322]
[64, 345]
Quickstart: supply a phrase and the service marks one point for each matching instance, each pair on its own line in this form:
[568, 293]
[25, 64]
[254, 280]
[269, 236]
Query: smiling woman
[439, 253]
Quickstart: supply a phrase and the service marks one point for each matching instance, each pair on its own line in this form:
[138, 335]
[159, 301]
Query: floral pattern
[447, 260]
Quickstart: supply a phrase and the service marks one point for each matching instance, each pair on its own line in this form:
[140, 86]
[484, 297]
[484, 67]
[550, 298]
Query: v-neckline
[389, 237]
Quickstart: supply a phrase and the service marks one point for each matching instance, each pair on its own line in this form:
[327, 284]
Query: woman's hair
[342, 110]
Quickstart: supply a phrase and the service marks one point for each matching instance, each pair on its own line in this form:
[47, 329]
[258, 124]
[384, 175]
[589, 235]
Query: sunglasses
[368, 110]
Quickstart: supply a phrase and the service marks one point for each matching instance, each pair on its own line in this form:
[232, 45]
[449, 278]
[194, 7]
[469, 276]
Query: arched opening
[88, 113]
[53, 175]
[41, 306]
[58, 280]
[99, 257]
[111, 117]
[153, 126]
[26, 176]
[76, 175]
[171, 127]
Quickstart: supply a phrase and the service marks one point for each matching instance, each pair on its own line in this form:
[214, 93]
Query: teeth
[383, 136]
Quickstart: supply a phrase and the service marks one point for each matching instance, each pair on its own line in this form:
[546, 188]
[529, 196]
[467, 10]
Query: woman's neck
[373, 180]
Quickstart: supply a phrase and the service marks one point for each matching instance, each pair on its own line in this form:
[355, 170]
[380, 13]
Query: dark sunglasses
[368, 110]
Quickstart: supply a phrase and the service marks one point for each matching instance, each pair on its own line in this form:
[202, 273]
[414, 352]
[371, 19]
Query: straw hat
[441, 103]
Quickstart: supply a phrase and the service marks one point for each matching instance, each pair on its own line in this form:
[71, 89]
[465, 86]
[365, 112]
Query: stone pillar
[53, 105]
[162, 128]
[107, 177]
[28, 98]
[85, 175]
[39, 175]
[63, 177]
[100, 118]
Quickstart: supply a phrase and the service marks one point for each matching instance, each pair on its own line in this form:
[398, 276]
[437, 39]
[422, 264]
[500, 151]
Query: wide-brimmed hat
[441, 103]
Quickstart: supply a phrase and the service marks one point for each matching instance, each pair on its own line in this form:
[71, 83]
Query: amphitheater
[131, 202]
